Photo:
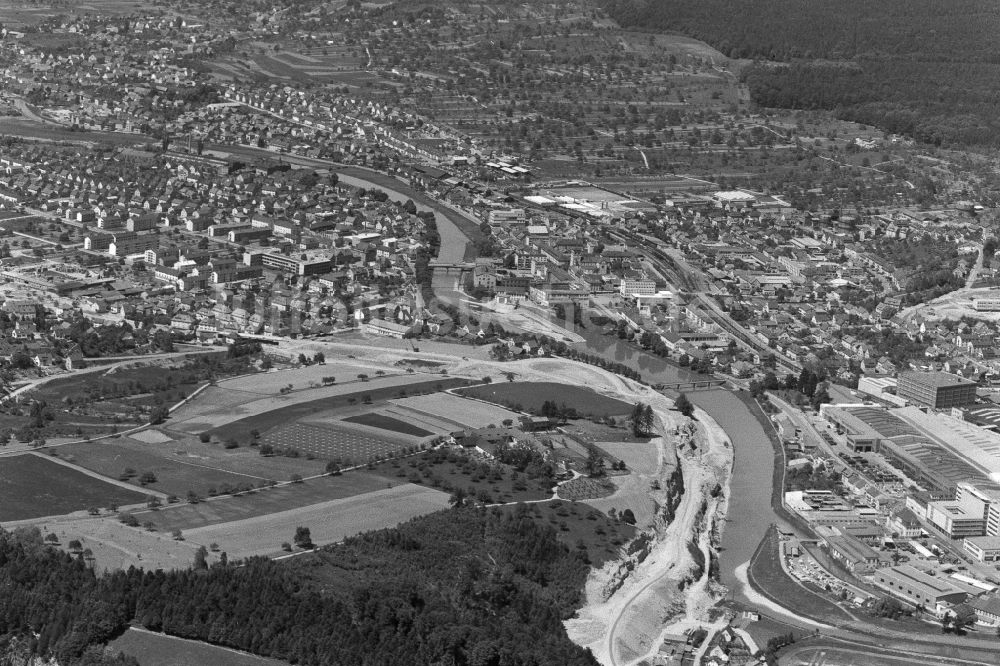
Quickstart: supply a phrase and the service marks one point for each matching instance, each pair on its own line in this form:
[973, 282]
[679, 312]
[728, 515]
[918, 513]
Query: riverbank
[670, 578]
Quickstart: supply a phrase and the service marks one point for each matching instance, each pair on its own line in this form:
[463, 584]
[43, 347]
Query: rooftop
[935, 379]
[914, 576]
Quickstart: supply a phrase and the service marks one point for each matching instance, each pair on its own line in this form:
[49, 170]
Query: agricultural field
[530, 396]
[33, 487]
[457, 410]
[385, 422]
[183, 466]
[328, 522]
[113, 546]
[329, 442]
[263, 502]
[309, 376]
[151, 649]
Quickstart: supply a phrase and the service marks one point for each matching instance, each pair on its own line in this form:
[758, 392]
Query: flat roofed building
[917, 588]
[955, 519]
[983, 548]
[637, 287]
[289, 264]
[939, 390]
[507, 216]
[927, 462]
[986, 304]
[390, 329]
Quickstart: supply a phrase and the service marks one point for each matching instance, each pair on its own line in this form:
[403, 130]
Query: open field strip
[204, 415]
[454, 409]
[422, 419]
[328, 522]
[152, 649]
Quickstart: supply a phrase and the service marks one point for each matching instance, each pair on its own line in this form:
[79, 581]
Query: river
[750, 512]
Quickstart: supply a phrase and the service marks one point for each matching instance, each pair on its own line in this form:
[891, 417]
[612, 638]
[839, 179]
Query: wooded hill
[923, 68]
[465, 586]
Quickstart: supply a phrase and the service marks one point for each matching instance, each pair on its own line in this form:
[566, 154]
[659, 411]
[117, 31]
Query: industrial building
[917, 588]
[288, 264]
[983, 548]
[940, 390]
[858, 557]
[955, 519]
[929, 463]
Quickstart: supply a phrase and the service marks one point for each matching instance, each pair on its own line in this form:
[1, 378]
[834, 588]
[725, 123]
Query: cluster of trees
[808, 477]
[925, 267]
[558, 412]
[683, 405]
[467, 586]
[924, 69]
[642, 420]
[675, 493]
[423, 273]
[502, 352]
[810, 385]
[241, 348]
[98, 341]
[524, 458]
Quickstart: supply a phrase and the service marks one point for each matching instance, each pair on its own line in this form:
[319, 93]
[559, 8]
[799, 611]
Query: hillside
[926, 69]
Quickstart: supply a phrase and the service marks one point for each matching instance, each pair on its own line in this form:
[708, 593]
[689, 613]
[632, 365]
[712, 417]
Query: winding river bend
[750, 512]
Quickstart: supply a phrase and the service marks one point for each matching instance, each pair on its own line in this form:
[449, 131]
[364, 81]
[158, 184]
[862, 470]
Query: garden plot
[151, 436]
[330, 442]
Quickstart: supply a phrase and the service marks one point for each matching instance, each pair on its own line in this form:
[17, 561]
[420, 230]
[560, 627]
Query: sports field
[33, 487]
[529, 396]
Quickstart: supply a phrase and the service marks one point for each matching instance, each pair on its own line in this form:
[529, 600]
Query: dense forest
[465, 586]
[923, 68]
